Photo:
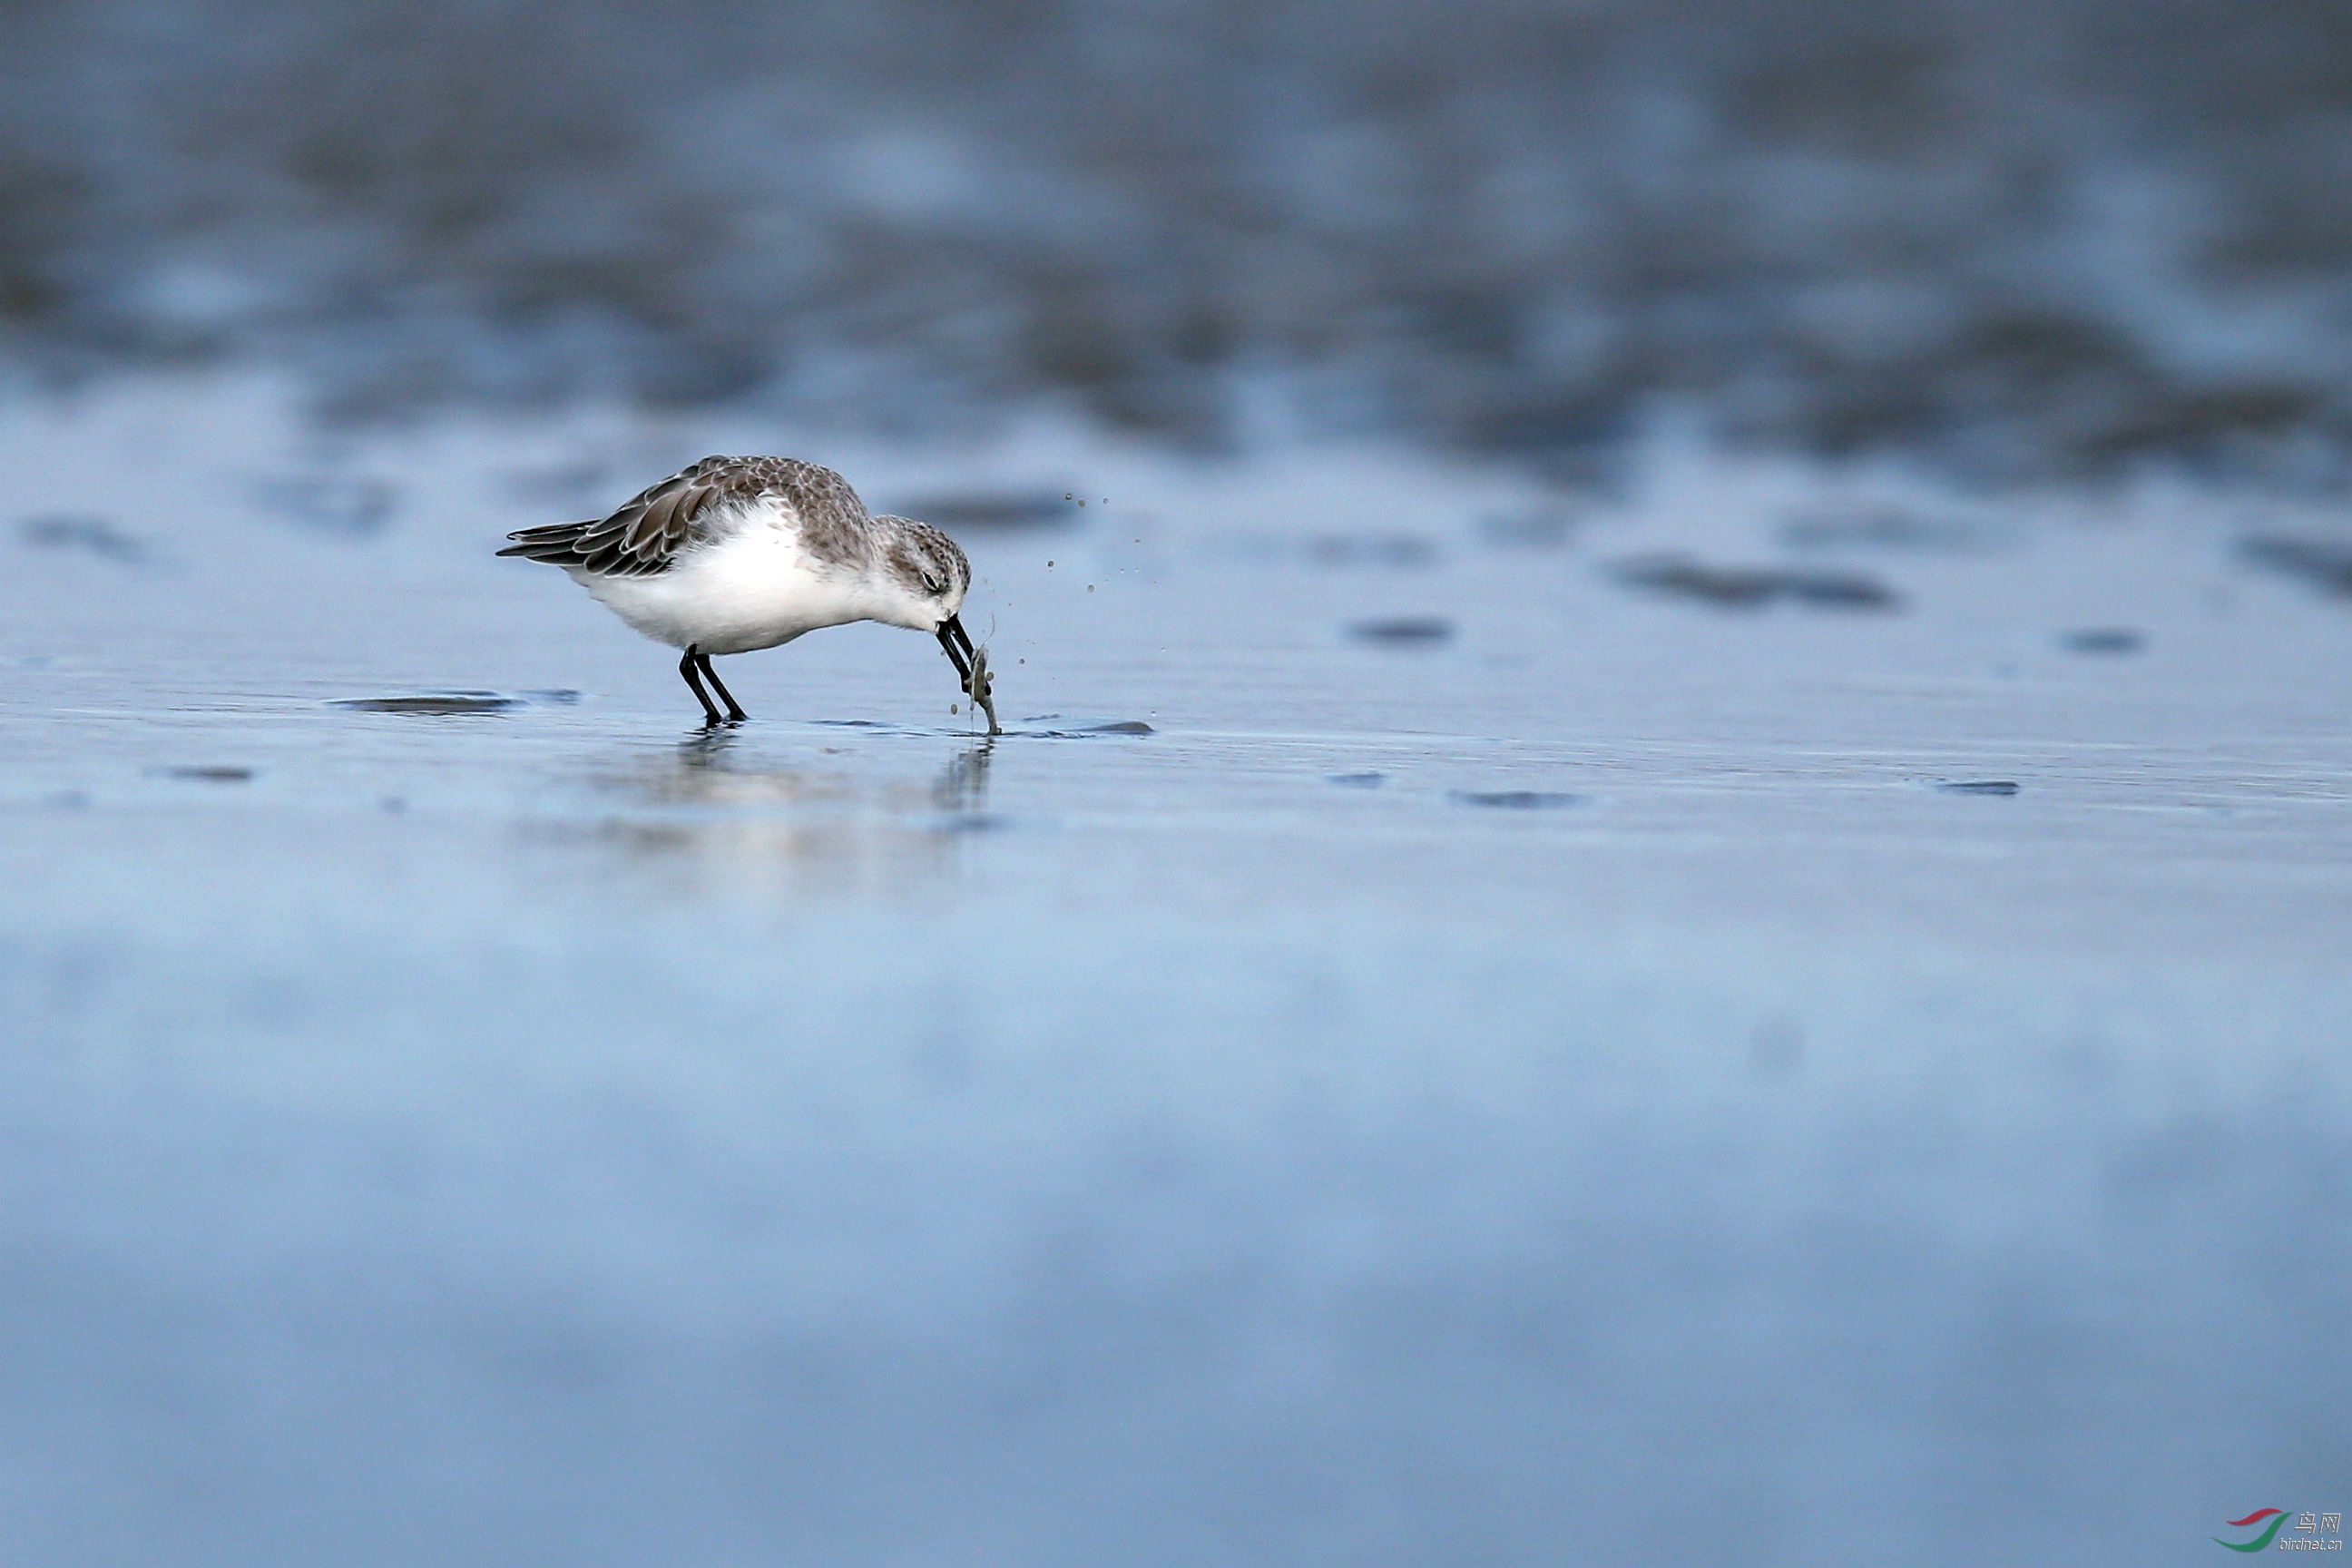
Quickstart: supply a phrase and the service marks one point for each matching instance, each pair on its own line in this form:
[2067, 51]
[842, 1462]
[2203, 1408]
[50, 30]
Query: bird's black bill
[972, 668]
[959, 650]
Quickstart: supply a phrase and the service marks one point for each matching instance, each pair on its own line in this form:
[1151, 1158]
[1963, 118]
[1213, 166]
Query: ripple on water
[444, 704]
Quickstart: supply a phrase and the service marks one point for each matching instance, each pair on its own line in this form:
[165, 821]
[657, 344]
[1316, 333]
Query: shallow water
[1614, 1083]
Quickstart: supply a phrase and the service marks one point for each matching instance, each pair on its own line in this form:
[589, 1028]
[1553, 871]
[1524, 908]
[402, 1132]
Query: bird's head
[924, 575]
[928, 576]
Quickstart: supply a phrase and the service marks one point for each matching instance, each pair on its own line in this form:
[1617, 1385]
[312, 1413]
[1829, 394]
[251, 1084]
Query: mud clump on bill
[980, 689]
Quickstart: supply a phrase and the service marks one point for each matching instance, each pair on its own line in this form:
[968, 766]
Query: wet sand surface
[1455, 1026]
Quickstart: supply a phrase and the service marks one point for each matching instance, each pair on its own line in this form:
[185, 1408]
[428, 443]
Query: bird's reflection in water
[717, 815]
[962, 785]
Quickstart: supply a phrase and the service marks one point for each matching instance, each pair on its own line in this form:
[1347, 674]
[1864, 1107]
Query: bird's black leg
[693, 680]
[735, 714]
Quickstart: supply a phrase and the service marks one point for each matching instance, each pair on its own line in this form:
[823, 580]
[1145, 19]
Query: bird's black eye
[934, 586]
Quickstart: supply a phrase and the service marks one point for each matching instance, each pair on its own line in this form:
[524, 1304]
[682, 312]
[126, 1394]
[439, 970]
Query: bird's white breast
[752, 587]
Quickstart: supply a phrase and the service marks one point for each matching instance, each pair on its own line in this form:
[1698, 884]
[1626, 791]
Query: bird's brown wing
[649, 531]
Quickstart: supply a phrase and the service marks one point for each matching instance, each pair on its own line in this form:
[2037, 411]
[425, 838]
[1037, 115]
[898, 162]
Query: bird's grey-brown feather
[920, 556]
[648, 532]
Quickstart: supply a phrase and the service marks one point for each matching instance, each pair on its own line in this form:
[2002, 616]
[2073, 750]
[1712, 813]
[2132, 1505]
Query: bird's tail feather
[552, 541]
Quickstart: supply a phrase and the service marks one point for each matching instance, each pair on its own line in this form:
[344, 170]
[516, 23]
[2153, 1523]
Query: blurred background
[1667, 880]
[2031, 239]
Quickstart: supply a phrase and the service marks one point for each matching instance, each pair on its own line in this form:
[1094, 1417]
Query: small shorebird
[731, 555]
